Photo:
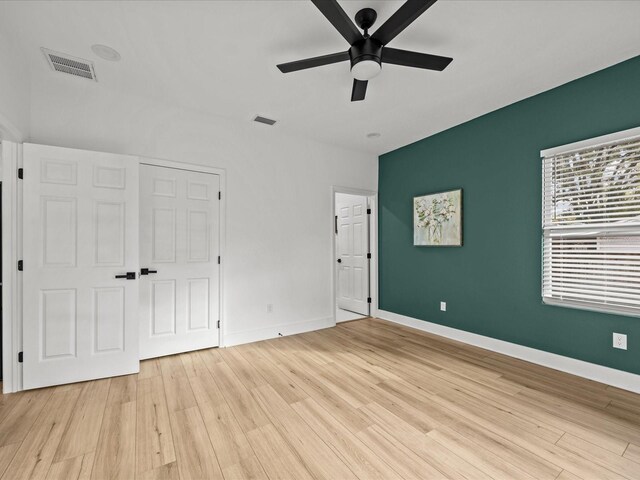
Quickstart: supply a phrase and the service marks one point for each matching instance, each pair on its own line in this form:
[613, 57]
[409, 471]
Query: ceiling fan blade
[313, 62]
[414, 59]
[339, 19]
[404, 16]
[359, 90]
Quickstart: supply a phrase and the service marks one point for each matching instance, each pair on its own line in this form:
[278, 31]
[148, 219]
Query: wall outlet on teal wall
[619, 341]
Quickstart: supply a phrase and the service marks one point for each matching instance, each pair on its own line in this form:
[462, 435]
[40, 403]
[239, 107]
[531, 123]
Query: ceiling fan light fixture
[366, 52]
[366, 69]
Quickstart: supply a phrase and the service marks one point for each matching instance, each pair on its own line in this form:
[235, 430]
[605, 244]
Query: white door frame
[221, 172]
[11, 278]
[372, 198]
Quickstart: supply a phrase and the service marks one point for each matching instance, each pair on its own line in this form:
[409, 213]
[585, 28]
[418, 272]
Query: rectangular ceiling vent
[61, 62]
[265, 120]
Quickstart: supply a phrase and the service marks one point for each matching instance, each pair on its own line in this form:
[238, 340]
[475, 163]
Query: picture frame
[437, 219]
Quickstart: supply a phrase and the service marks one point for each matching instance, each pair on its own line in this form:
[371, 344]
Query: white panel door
[80, 232]
[179, 246]
[352, 246]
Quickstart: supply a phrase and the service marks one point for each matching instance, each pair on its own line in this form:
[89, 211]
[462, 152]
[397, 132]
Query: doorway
[352, 255]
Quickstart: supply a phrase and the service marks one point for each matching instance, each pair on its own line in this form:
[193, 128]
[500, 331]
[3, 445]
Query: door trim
[12, 279]
[221, 172]
[372, 198]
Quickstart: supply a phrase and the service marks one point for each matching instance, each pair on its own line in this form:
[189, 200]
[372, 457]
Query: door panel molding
[200, 314]
[80, 236]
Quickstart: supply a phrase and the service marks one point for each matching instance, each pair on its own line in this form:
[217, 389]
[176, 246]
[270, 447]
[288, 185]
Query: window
[591, 224]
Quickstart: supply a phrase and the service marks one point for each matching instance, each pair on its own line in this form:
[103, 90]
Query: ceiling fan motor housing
[366, 49]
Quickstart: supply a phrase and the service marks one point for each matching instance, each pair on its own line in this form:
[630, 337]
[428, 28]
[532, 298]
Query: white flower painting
[437, 219]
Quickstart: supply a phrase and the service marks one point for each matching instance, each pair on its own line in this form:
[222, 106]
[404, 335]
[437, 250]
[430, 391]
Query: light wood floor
[367, 400]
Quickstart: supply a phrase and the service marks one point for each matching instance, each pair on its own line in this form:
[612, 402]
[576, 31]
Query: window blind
[591, 227]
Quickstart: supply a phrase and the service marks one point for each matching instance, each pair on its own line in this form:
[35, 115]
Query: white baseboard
[275, 331]
[592, 371]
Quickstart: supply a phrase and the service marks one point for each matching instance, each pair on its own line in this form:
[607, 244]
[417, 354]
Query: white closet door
[179, 245]
[80, 232]
[353, 245]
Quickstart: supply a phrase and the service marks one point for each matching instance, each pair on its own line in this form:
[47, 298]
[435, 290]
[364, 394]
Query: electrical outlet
[443, 306]
[619, 341]
[269, 307]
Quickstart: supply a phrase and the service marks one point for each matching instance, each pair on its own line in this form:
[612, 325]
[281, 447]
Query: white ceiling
[220, 57]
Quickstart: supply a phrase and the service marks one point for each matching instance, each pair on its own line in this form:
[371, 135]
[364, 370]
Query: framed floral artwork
[437, 219]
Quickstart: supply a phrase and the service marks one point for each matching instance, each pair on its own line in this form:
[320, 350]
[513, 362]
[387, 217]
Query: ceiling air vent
[61, 62]
[266, 121]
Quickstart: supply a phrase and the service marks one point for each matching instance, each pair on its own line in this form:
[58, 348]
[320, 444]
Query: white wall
[14, 87]
[279, 198]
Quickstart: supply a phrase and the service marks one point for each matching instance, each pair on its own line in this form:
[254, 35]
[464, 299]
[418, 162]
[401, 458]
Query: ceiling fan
[369, 52]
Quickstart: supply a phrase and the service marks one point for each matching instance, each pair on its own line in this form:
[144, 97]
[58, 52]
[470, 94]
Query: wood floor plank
[176, 384]
[154, 440]
[228, 440]
[163, 472]
[286, 388]
[564, 475]
[81, 434]
[297, 373]
[36, 453]
[206, 390]
[407, 463]
[245, 408]
[369, 399]
[546, 450]
[633, 453]
[318, 458]
[149, 368]
[7, 402]
[248, 469]
[116, 453]
[19, 420]
[624, 412]
[195, 456]
[349, 448]
[77, 468]
[594, 453]
[122, 389]
[444, 460]
[596, 420]
[275, 455]
[244, 370]
[193, 364]
[6, 455]
[499, 446]
[480, 457]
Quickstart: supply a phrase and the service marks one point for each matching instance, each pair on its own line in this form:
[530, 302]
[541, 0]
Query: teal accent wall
[492, 283]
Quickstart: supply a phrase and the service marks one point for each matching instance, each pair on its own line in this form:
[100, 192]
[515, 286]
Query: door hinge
[21, 173]
[219, 195]
[368, 299]
[369, 256]
[218, 259]
[218, 323]
[20, 265]
[368, 211]
[20, 357]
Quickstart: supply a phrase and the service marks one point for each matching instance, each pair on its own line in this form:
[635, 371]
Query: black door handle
[339, 260]
[146, 271]
[128, 276]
